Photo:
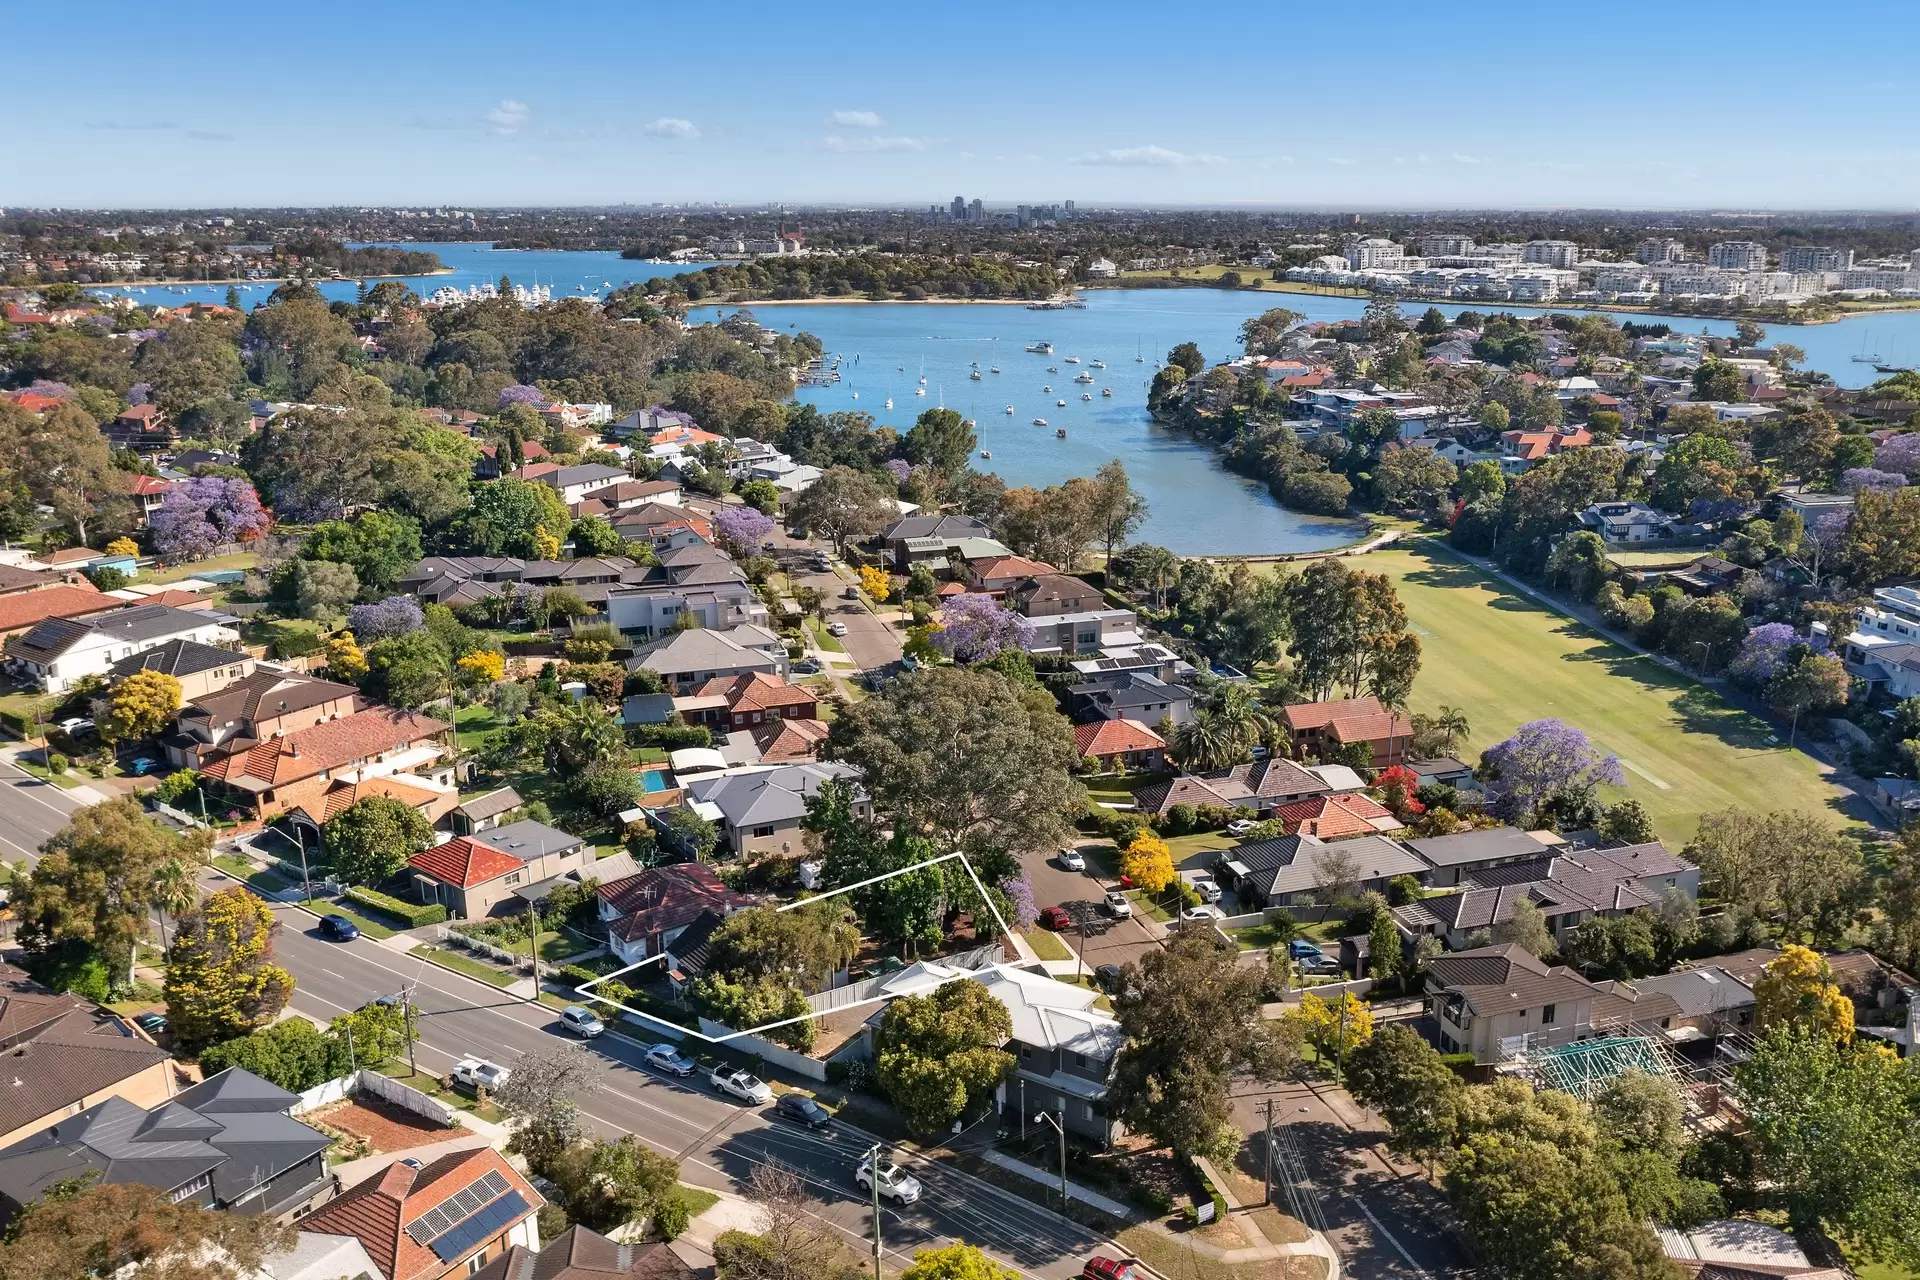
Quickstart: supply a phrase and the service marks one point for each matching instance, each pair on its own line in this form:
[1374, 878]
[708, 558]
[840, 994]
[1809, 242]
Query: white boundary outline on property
[586, 988]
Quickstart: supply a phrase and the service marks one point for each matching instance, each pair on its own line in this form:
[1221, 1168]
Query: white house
[59, 652]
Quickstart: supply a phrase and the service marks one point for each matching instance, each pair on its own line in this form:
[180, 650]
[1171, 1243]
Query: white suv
[896, 1184]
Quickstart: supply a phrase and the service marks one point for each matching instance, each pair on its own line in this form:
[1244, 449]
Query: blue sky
[1755, 105]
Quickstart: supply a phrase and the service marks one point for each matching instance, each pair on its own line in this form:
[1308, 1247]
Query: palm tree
[176, 891]
[1206, 742]
[1246, 718]
[1452, 722]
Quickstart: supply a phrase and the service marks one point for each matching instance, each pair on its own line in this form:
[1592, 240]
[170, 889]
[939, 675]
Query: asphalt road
[31, 811]
[717, 1141]
[1382, 1217]
[1053, 885]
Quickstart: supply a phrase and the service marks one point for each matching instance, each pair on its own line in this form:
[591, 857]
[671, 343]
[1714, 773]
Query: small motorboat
[1070, 359]
[1053, 368]
[974, 376]
[993, 368]
[1061, 403]
[1060, 433]
[919, 391]
[1107, 392]
[987, 454]
[1086, 395]
[1009, 411]
[1096, 364]
[1047, 389]
[1039, 422]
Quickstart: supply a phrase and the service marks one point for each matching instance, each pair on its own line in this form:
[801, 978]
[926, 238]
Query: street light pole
[1060, 1126]
[301, 836]
[873, 1183]
[1266, 1161]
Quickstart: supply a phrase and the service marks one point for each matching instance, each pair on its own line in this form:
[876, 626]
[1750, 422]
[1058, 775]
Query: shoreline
[871, 302]
[169, 284]
[1334, 291]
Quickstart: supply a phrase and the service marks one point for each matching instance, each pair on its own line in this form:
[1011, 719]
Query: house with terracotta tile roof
[21, 611]
[241, 712]
[472, 875]
[148, 493]
[646, 913]
[1317, 727]
[294, 770]
[140, 426]
[789, 741]
[1121, 745]
[1259, 786]
[746, 700]
[999, 573]
[1336, 817]
[448, 1217]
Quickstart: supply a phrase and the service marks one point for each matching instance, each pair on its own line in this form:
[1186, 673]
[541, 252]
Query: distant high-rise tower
[1069, 206]
[958, 209]
[977, 211]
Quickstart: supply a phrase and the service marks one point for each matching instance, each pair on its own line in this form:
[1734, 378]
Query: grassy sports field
[1505, 659]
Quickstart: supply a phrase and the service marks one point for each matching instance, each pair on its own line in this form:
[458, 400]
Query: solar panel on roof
[457, 1208]
[478, 1227]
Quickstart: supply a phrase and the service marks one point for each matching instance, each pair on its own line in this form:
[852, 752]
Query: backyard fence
[180, 816]
[387, 1089]
[779, 1055]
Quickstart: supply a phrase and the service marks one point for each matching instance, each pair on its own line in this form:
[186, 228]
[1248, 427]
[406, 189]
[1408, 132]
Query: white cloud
[848, 146]
[509, 118]
[1462, 159]
[855, 120]
[1144, 157]
[1345, 162]
[671, 127]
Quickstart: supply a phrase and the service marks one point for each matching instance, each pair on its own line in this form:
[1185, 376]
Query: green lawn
[65, 781]
[1256, 937]
[1046, 945]
[464, 963]
[361, 918]
[471, 724]
[1506, 659]
[697, 1200]
[817, 632]
[181, 572]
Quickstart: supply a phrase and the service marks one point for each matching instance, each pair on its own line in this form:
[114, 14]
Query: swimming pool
[654, 779]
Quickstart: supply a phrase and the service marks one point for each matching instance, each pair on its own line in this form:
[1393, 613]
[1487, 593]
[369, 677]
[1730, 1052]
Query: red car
[1101, 1268]
[1056, 918]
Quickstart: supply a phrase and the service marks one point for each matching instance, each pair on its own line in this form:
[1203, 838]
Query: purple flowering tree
[394, 616]
[899, 469]
[975, 628]
[1543, 759]
[48, 387]
[742, 528]
[1762, 652]
[1900, 453]
[1026, 913]
[198, 516]
[140, 393]
[1855, 479]
[521, 393]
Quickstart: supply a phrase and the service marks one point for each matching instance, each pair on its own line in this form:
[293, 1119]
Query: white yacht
[1009, 411]
[1039, 422]
[1096, 364]
[973, 375]
[889, 402]
[993, 368]
[1061, 403]
[1070, 359]
[1083, 377]
[1086, 395]
[1040, 348]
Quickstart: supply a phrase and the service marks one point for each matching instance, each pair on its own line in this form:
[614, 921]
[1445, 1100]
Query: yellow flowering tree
[956, 1262]
[222, 982]
[123, 546]
[876, 583]
[545, 543]
[1797, 989]
[1334, 1028]
[1148, 862]
[483, 666]
[345, 661]
[141, 705]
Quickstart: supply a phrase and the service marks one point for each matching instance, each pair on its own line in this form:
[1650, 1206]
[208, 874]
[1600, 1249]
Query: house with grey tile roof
[481, 812]
[758, 809]
[1131, 695]
[60, 652]
[1495, 1002]
[1294, 870]
[688, 659]
[226, 1143]
[1452, 859]
[1568, 888]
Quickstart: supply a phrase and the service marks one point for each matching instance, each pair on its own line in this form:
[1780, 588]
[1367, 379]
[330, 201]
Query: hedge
[414, 914]
[671, 736]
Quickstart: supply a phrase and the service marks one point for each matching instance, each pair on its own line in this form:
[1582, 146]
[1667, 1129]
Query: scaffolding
[1586, 1067]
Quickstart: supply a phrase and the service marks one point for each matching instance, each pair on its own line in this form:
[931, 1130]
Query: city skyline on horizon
[432, 105]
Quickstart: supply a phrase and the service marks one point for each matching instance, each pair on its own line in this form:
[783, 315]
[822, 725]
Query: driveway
[1053, 885]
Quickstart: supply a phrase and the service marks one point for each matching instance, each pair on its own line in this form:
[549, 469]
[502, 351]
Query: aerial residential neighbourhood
[598, 681]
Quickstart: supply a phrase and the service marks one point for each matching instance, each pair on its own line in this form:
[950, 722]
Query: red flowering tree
[1397, 786]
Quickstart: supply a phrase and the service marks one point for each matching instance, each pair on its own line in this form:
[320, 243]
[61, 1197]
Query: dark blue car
[339, 928]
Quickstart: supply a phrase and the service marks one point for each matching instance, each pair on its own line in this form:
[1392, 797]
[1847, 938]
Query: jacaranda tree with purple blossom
[1026, 913]
[521, 393]
[200, 515]
[1854, 479]
[394, 616]
[1762, 652]
[1900, 453]
[1544, 760]
[742, 528]
[48, 387]
[899, 469]
[975, 628]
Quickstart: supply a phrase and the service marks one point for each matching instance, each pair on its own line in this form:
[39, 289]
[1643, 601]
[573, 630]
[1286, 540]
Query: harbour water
[1196, 506]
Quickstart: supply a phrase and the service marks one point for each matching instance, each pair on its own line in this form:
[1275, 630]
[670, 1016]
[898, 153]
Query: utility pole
[1340, 1045]
[300, 835]
[1060, 1126]
[406, 1012]
[1267, 1159]
[873, 1182]
[1023, 1108]
[533, 943]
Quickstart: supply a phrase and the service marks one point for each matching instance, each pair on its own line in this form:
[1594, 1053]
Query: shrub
[671, 737]
[1181, 819]
[413, 913]
[176, 787]
[671, 1218]
[56, 763]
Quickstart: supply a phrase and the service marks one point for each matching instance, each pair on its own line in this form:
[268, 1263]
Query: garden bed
[461, 962]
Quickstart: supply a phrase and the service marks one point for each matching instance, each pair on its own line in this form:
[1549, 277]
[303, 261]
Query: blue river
[1195, 506]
